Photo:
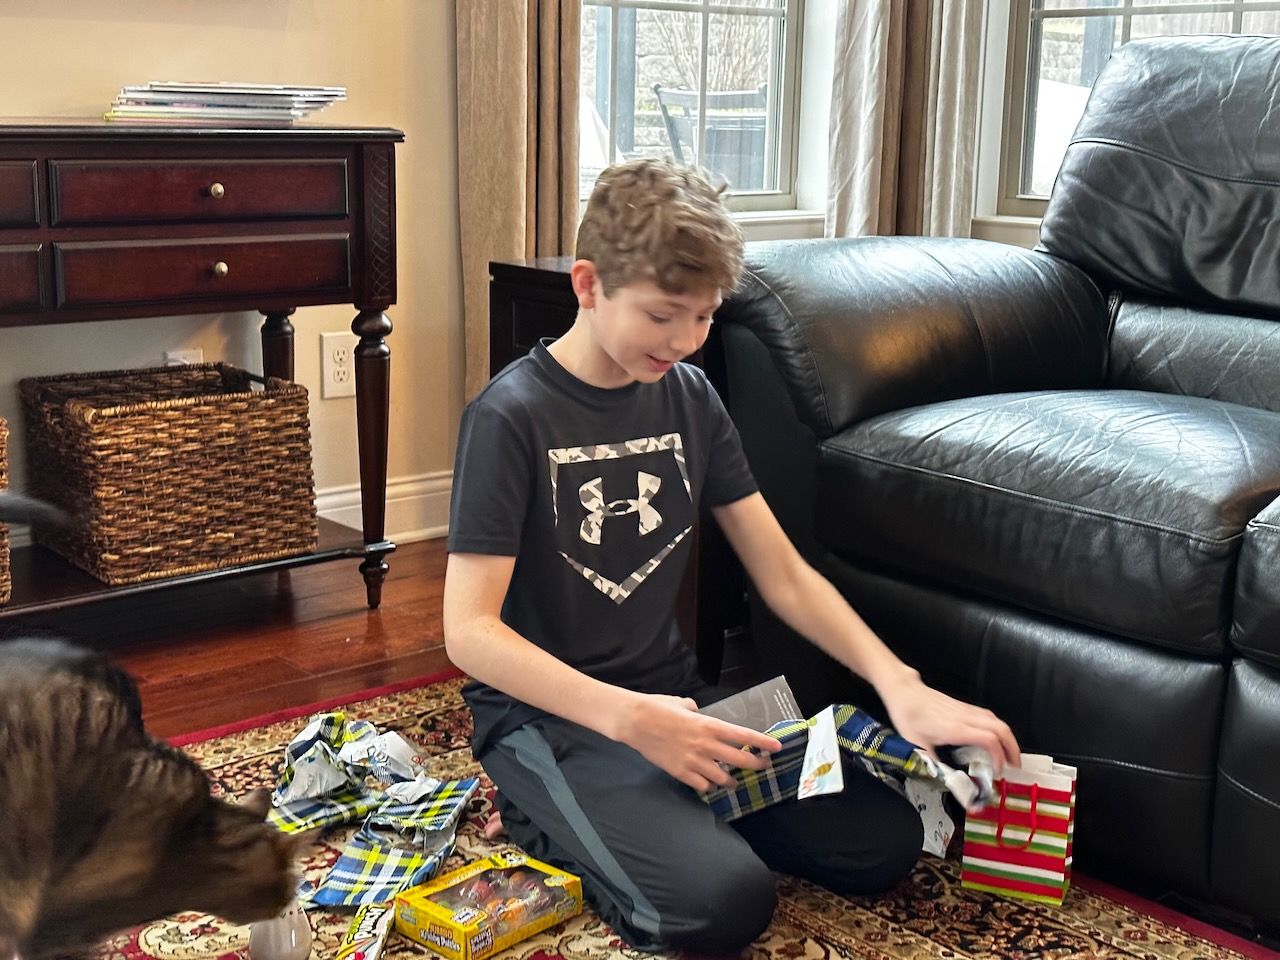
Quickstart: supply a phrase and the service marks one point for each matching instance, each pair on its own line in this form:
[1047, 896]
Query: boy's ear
[585, 278]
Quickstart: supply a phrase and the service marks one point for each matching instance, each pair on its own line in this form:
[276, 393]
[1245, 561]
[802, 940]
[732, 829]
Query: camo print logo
[590, 493]
[616, 543]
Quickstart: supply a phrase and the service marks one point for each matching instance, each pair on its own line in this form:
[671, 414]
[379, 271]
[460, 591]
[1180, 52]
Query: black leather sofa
[1051, 479]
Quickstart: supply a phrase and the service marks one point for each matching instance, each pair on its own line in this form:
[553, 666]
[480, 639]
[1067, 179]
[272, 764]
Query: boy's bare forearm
[808, 603]
[493, 653]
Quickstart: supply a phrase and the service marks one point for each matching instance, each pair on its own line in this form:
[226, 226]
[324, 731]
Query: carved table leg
[277, 344]
[373, 404]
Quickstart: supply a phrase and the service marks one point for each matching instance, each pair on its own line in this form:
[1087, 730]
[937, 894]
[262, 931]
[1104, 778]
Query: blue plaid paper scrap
[303, 815]
[399, 845]
[313, 765]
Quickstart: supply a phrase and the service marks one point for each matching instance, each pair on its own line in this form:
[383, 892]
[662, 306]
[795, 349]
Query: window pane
[1267, 22]
[650, 106]
[668, 56]
[742, 54]
[593, 103]
[1175, 24]
[1066, 56]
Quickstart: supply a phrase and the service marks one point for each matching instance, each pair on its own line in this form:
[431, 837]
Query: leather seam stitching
[1052, 504]
[1246, 790]
[796, 332]
[1182, 165]
[1107, 761]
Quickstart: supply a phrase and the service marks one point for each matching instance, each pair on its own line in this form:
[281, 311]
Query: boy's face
[644, 330]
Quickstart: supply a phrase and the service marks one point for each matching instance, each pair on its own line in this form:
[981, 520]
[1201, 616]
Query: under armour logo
[591, 494]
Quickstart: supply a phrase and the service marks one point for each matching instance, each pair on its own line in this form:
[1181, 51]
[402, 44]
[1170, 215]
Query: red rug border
[1167, 915]
[291, 713]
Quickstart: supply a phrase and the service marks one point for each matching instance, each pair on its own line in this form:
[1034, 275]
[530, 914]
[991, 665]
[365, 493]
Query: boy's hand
[671, 734]
[930, 719]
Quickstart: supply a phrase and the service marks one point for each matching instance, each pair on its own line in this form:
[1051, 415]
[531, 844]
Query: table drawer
[124, 272]
[18, 194]
[146, 191]
[20, 278]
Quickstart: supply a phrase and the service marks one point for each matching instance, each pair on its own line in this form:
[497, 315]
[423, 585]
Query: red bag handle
[1004, 792]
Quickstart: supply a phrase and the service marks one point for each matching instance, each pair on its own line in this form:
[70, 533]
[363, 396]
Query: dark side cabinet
[532, 299]
[106, 221]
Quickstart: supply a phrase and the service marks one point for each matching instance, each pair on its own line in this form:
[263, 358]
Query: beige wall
[396, 57]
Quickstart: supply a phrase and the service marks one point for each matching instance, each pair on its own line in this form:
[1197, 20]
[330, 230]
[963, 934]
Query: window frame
[1018, 125]
[788, 72]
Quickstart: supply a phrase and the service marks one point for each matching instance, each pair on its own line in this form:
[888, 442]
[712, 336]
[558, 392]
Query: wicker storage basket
[173, 470]
[6, 584]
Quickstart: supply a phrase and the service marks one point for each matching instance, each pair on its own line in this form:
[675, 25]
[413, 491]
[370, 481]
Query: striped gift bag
[1020, 844]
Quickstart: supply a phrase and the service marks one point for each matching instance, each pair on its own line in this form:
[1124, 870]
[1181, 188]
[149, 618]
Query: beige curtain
[904, 117]
[517, 146]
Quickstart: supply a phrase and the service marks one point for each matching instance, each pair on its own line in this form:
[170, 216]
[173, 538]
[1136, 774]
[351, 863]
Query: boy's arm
[668, 731]
[810, 605]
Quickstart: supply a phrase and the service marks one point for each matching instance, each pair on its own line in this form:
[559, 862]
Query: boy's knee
[890, 860]
[722, 908]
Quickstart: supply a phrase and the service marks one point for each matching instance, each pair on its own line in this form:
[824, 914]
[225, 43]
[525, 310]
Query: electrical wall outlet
[178, 358]
[337, 365]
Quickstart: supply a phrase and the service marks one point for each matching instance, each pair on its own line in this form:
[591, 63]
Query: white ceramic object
[286, 937]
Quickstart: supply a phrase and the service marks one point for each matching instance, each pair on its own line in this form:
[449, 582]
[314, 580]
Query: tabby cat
[102, 827]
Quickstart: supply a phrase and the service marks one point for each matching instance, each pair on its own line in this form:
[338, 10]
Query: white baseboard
[417, 508]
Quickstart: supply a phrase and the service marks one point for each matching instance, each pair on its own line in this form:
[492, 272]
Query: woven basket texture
[171, 471]
[6, 584]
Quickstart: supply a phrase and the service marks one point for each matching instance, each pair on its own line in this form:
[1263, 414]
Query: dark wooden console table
[103, 221]
[532, 299]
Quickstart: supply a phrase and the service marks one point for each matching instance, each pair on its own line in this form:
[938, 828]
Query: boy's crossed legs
[658, 865]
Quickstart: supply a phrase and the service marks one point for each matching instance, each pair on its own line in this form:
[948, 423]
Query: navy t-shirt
[594, 492]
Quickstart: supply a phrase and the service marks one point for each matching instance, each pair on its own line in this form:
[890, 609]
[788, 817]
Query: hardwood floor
[225, 651]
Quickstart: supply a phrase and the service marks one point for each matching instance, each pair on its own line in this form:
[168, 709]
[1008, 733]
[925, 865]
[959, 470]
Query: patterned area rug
[930, 916]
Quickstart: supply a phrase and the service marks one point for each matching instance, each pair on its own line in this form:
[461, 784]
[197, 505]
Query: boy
[579, 472]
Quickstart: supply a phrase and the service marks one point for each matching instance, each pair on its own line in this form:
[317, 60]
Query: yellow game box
[470, 913]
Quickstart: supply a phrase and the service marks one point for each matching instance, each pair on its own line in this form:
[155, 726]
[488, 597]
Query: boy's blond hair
[650, 220]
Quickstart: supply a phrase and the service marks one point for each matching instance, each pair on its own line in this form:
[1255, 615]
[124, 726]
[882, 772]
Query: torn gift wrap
[871, 746]
[322, 759]
[326, 767]
[399, 845]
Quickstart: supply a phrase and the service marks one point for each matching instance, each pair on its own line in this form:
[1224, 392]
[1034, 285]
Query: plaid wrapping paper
[328, 811]
[328, 734]
[879, 751]
[399, 845]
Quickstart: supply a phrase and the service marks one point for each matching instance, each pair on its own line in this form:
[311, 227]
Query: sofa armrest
[860, 326]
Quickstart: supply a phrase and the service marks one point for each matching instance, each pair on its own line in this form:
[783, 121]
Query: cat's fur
[102, 827]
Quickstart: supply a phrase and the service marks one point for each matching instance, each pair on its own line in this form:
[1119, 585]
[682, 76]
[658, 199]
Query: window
[712, 82]
[1056, 50]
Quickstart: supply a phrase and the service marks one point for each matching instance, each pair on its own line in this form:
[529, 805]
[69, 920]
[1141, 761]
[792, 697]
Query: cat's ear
[257, 802]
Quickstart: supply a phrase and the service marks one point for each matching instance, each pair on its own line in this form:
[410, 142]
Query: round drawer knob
[220, 269]
[217, 191]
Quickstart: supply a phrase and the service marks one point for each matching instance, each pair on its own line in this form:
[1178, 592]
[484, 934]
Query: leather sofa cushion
[1255, 631]
[1141, 724]
[861, 325]
[1171, 348]
[1170, 187]
[1115, 509]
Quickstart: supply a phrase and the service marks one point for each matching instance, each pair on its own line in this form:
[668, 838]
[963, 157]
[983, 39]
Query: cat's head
[208, 856]
[232, 863]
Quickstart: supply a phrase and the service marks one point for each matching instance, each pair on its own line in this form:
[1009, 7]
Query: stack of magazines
[222, 103]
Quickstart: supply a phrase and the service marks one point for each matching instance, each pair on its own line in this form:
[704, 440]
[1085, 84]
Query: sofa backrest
[859, 326]
[1170, 188]
[1170, 348]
